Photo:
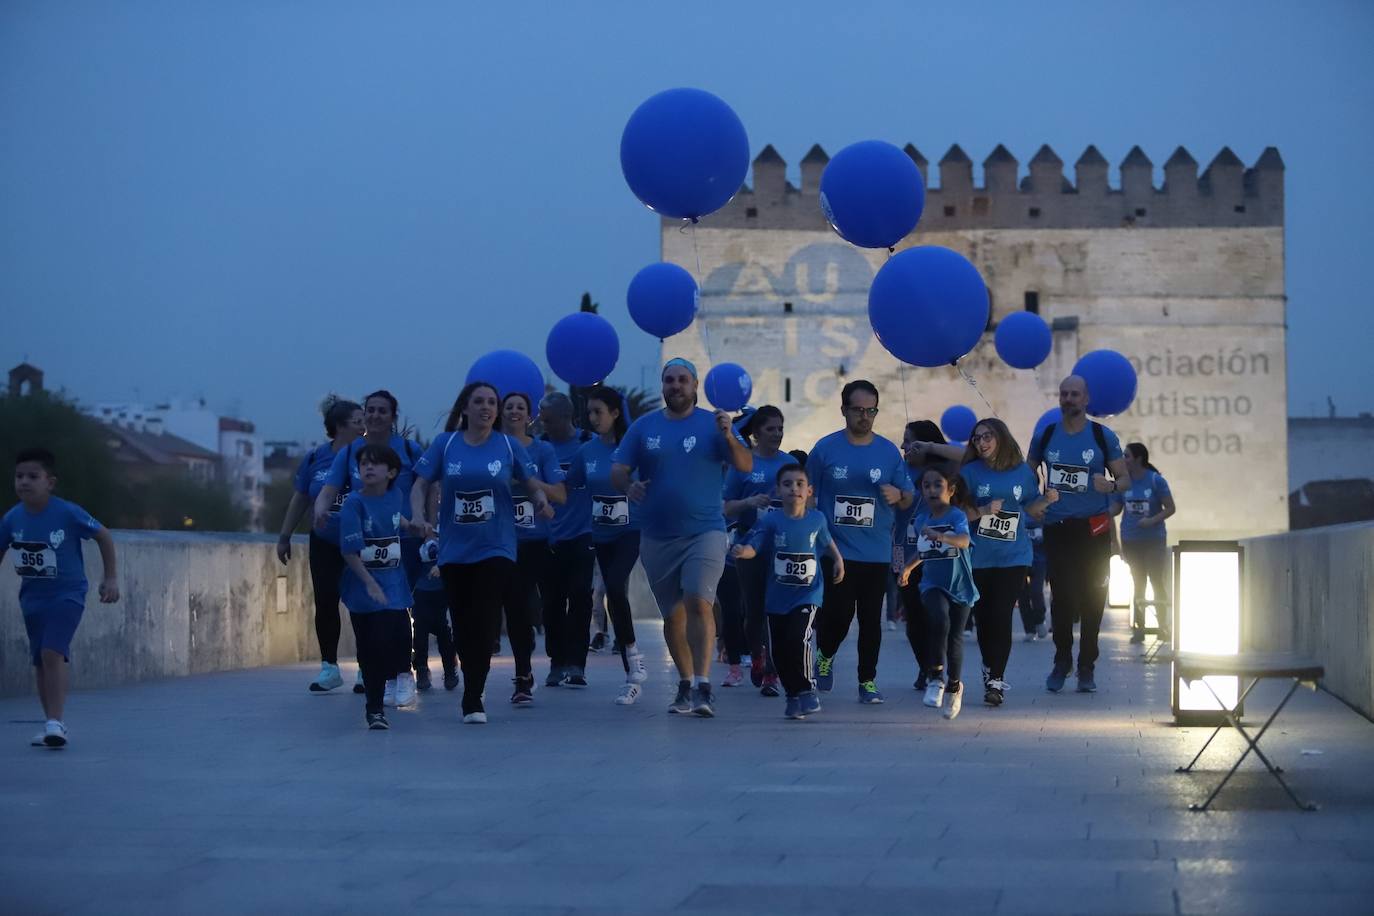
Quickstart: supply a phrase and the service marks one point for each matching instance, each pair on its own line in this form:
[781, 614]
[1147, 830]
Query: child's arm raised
[109, 585]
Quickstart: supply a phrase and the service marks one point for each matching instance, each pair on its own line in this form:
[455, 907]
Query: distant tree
[178, 503]
[642, 401]
[276, 497]
[85, 466]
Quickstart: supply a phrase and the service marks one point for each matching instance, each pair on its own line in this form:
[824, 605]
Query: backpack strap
[1045, 442]
[1101, 436]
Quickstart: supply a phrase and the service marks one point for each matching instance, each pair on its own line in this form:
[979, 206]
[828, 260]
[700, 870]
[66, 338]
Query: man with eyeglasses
[860, 480]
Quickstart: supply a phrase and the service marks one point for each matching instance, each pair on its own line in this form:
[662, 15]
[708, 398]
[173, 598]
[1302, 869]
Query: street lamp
[1207, 610]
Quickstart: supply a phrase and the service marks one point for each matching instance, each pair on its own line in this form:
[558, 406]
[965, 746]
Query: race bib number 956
[35, 560]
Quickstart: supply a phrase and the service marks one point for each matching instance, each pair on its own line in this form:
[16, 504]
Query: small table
[1255, 666]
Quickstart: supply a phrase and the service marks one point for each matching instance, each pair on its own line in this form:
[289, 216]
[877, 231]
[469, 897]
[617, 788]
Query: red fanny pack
[1099, 524]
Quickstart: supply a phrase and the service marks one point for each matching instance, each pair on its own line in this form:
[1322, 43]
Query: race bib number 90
[1069, 478]
[612, 511]
[854, 511]
[794, 568]
[474, 508]
[381, 553]
[35, 560]
[1000, 526]
[524, 513]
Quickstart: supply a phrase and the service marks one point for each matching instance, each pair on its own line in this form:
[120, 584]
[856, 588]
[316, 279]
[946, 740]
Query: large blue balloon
[1053, 415]
[582, 348]
[510, 371]
[928, 306]
[663, 299]
[1111, 381]
[728, 386]
[958, 421]
[684, 153]
[872, 194]
[1023, 340]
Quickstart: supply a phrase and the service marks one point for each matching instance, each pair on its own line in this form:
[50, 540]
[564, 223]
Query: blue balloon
[1053, 415]
[1023, 340]
[928, 306]
[582, 348]
[684, 153]
[510, 371]
[872, 194]
[728, 386]
[663, 299]
[958, 421]
[1111, 381]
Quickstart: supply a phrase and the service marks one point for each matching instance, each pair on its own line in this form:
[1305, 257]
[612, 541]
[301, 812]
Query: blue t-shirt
[1143, 499]
[762, 479]
[574, 518]
[476, 512]
[1001, 540]
[425, 582]
[310, 479]
[529, 525]
[1070, 463]
[370, 526]
[46, 552]
[847, 479]
[683, 461]
[346, 462]
[792, 548]
[944, 568]
[612, 513]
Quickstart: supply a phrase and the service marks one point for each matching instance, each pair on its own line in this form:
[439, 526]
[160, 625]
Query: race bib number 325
[474, 508]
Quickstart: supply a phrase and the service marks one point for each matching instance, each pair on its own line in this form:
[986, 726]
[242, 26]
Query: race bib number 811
[855, 511]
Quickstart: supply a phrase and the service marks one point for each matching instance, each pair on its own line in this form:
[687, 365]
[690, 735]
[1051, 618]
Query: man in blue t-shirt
[1077, 454]
[681, 453]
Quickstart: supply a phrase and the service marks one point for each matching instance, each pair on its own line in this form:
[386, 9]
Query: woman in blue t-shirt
[343, 423]
[1144, 540]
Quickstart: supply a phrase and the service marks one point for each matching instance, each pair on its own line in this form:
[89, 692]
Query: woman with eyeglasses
[1003, 490]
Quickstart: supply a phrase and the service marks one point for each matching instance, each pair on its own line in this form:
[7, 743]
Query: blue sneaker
[825, 676]
[794, 709]
[810, 703]
[868, 693]
[1055, 682]
[1086, 684]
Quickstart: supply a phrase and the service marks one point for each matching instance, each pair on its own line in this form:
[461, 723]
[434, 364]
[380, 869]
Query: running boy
[796, 537]
[46, 534]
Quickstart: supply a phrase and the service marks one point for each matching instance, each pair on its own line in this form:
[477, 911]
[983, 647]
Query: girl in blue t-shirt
[947, 590]
[480, 470]
[343, 423]
[1144, 540]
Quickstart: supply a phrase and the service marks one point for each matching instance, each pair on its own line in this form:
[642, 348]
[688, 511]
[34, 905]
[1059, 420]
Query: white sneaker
[1042, 631]
[475, 718]
[405, 689]
[935, 693]
[956, 702]
[891, 625]
[389, 694]
[37, 740]
[328, 679]
[55, 734]
[638, 672]
[629, 694]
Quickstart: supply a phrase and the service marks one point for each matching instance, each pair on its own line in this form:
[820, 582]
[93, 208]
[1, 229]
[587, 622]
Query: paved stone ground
[240, 792]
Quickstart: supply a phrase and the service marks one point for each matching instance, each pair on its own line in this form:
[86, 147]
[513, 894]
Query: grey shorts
[685, 566]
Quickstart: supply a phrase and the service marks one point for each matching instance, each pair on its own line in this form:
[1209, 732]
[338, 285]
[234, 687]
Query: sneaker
[575, 678]
[638, 673]
[891, 625]
[328, 679]
[920, 683]
[54, 734]
[598, 643]
[956, 701]
[682, 703]
[1042, 630]
[993, 690]
[405, 690]
[758, 667]
[376, 721]
[1137, 635]
[825, 677]
[1030, 637]
[389, 694]
[1055, 682]
[793, 710]
[868, 693]
[358, 683]
[422, 679]
[475, 718]
[772, 687]
[450, 680]
[935, 694]
[555, 677]
[629, 694]
[702, 701]
[1086, 684]
[810, 703]
[38, 739]
[734, 678]
[524, 691]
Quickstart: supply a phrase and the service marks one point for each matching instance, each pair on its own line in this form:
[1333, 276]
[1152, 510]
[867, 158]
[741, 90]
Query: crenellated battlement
[1225, 194]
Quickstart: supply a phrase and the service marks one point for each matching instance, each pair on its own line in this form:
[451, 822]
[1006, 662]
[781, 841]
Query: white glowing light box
[1207, 609]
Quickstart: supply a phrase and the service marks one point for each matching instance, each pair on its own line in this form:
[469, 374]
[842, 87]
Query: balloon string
[705, 331]
[974, 385]
[901, 372]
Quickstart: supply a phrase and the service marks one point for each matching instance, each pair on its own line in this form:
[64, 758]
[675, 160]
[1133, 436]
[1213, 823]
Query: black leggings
[945, 619]
[567, 592]
[860, 594]
[1078, 564]
[791, 634]
[915, 617]
[731, 615]
[520, 599]
[326, 569]
[383, 648]
[617, 560]
[474, 600]
[753, 582]
[998, 589]
[431, 616]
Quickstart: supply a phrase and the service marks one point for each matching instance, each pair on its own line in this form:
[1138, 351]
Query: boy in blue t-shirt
[793, 540]
[45, 533]
[431, 616]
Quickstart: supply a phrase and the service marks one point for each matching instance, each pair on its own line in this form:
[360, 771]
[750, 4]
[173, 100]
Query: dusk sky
[261, 202]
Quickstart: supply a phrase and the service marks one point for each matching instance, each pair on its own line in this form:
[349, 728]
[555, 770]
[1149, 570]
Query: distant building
[147, 453]
[25, 380]
[1330, 470]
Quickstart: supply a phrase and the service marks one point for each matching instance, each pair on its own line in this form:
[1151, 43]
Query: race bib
[794, 568]
[854, 511]
[929, 550]
[381, 553]
[474, 508]
[1138, 507]
[773, 506]
[524, 513]
[1069, 478]
[338, 502]
[1000, 526]
[612, 511]
[1037, 535]
[34, 560]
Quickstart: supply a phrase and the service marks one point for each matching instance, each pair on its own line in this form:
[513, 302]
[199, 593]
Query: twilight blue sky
[259, 202]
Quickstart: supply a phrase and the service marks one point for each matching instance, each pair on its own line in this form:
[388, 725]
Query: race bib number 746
[1069, 478]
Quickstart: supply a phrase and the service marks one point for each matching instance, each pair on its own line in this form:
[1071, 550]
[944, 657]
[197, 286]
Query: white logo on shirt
[1149, 492]
[780, 539]
[591, 467]
[840, 473]
[395, 519]
[1016, 492]
[455, 469]
[367, 525]
[984, 489]
[874, 474]
[689, 443]
[1088, 455]
[56, 538]
[756, 477]
[652, 443]
[1052, 456]
[321, 475]
[813, 539]
[494, 467]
